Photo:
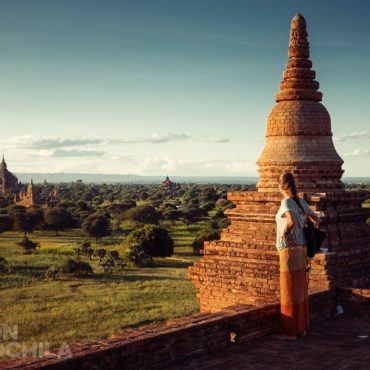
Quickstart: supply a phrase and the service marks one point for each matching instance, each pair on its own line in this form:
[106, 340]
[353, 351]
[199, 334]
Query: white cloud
[156, 165]
[46, 142]
[156, 138]
[358, 153]
[69, 153]
[352, 135]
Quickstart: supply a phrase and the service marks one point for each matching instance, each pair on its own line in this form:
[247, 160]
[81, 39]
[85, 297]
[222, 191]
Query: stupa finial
[298, 43]
[298, 79]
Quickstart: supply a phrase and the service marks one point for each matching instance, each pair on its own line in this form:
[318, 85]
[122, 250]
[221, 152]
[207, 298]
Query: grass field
[74, 309]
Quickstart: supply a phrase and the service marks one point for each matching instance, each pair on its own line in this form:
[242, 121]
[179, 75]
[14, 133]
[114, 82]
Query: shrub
[214, 225]
[223, 222]
[219, 214]
[204, 235]
[4, 268]
[107, 265]
[208, 206]
[84, 248]
[100, 253]
[76, 268]
[52, 273]
[121, 265]
[110, 264]
[137, 254]
[225, 204]
[28, 244]
[114, 255]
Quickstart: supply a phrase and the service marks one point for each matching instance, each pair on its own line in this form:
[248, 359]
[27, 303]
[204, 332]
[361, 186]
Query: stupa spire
[298, 79]
[298, 42]
[298, 132]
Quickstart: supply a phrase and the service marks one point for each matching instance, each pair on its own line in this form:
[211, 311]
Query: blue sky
[170, 87]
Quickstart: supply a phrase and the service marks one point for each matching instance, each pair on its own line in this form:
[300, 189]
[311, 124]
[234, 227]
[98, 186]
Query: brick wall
[243, 266]
[165, 345]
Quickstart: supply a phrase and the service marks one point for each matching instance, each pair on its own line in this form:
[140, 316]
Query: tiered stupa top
[298, 136]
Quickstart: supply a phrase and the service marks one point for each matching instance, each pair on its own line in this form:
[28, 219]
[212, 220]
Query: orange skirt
[293, 290]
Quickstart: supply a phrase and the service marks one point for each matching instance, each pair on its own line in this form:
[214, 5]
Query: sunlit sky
[178, 87]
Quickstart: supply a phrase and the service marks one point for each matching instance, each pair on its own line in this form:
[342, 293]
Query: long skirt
[294, 308]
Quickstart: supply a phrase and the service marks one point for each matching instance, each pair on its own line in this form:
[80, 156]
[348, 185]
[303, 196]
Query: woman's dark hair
[286, 181]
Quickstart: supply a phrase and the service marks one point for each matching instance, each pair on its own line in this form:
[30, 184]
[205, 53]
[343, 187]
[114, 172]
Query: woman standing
[290, 243]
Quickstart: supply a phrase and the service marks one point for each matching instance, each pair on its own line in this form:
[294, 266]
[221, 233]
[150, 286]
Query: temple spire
[298, 79]
[3, 164]
[298, 132]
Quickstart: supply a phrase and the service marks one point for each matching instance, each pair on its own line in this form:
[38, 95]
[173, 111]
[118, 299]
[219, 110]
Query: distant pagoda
[168, 185]
[33, 196]
[8, 182]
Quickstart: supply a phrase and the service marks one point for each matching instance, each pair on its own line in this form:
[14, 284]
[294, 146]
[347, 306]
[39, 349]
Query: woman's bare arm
[289, 224]
[313, 216]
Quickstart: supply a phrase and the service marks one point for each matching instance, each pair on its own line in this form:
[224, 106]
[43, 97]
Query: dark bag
[314, 236]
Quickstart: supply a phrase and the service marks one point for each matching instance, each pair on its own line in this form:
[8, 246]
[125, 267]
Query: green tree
[37, 216]
[6, 223]
[191, 215]
[96, 226]
[23, 220]
[172, 214]
[208, 195]
[117, 212]
[151, 240]
[143, 215]
[57, 219]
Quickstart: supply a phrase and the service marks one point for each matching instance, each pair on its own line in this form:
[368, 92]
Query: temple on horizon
[27, 195]
[8, 182]
[168, 185]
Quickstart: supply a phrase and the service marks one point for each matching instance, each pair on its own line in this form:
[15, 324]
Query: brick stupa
[243, 266]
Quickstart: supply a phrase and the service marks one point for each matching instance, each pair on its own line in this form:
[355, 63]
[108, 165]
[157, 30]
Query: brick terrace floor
[330, 344]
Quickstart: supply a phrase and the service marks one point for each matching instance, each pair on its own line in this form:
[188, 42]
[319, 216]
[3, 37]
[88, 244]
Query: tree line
[100, 209]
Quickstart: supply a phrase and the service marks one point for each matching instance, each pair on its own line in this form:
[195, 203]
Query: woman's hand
[287, 240]
[315, 220]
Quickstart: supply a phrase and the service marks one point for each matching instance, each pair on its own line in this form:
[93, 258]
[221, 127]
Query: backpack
[314, 237]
